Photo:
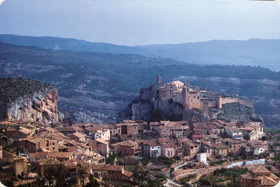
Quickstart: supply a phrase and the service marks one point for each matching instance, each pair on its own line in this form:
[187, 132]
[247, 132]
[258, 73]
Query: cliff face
[28, 101]
[237, 111]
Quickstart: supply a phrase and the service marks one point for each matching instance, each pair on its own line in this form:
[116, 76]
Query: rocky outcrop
[149, 107]
[237, 111]
[27, 101]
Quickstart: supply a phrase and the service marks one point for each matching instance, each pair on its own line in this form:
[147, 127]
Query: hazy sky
[133, 22]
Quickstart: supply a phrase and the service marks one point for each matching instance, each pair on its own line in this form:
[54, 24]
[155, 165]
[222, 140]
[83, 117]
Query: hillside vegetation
[99, 85]
[254, 52]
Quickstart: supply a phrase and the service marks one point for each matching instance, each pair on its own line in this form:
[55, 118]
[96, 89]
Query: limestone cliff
[27, 101]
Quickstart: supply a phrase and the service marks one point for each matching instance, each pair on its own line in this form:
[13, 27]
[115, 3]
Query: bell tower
[159, 80]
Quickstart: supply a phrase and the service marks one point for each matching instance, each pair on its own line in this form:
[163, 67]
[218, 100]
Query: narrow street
[170, 182]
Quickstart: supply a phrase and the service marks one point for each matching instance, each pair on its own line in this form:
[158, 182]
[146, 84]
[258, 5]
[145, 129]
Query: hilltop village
[178, 101]
[206, 150]
[194, 97]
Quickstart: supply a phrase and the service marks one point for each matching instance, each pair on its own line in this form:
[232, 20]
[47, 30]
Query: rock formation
[27, 101]
[178, 101]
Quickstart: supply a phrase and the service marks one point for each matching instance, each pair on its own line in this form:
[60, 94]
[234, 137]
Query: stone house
[234, 133]
[247, 151]
[252, 130]
[10, 130]
[179, 130]
[88, 157]
[152, 149]
[191, 148]
[35, 144]
[164, 132]
[260, 147]
[47, 163]
[220, 150]
[66, 130]
[192, 98]
[259, 176]
[20, 166]
[168, 150]
[102, 132]
[142, 126]
[78, 129]
[215, 139]
[234, 146]
[127, 148]
[101, 146]
[128, 129]
[20, 134]
[78, 137]
[154, 126]
[202, 157]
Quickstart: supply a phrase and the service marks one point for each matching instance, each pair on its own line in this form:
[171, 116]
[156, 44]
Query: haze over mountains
[255, 52]
[97, 86]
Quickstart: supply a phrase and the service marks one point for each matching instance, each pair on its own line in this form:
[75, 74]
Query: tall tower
[185, 97]
[159, 80]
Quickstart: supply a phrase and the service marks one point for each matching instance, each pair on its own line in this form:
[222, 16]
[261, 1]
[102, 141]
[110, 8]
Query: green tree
[82, 174]
[92, 182]
[140, 175]
[59, 176]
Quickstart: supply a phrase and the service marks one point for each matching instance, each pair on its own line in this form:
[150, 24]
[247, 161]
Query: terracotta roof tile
[127, 173]
[105, 167]
[259, 169]
[128, 143]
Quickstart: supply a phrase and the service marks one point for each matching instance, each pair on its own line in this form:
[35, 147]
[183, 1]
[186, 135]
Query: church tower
[159, 80]
[185, 97]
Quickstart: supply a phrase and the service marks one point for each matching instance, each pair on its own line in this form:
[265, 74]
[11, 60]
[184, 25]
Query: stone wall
[226, 100]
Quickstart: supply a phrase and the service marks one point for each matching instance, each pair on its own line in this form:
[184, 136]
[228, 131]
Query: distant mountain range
[255, 52]
[96, 86]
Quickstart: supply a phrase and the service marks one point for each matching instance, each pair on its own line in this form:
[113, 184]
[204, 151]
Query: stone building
[234, 133]
[259, 176]
[195, 98]
[252, 130]
[128, 128]
[20, 166]
[35, 144]
[127, 148]
[168, 150]
[79, 137]
[152, 148]
[101, 146]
